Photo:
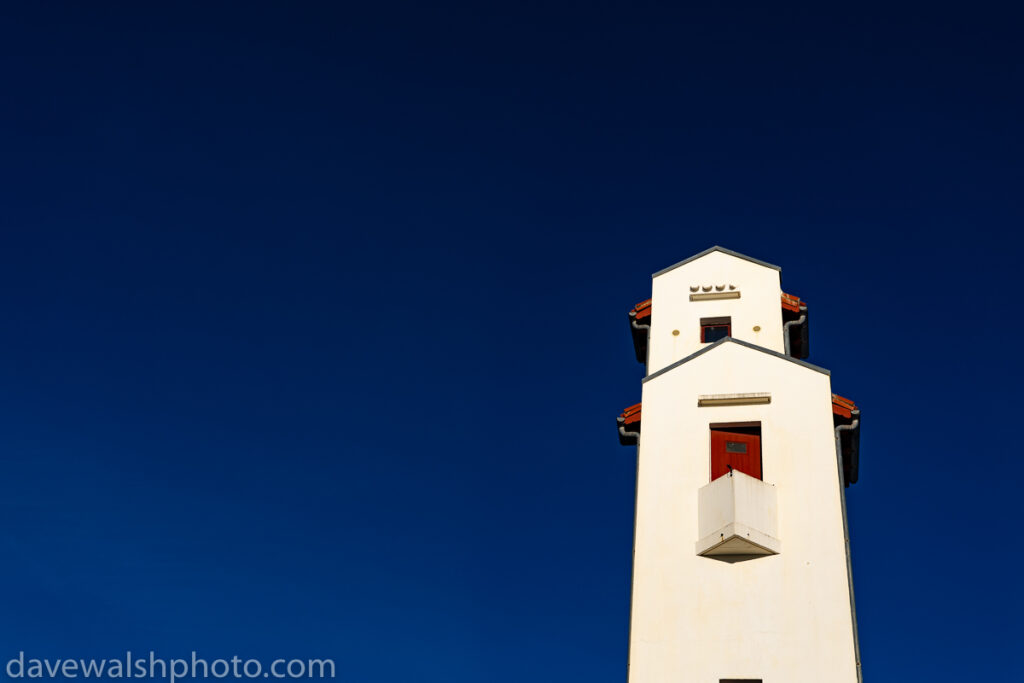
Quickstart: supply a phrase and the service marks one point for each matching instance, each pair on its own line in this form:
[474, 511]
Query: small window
[713, 329]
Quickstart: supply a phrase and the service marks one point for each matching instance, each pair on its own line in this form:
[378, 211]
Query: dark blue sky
[313, 317]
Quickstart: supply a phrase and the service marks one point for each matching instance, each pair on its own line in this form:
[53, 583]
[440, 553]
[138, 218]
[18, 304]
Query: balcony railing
[737, 515]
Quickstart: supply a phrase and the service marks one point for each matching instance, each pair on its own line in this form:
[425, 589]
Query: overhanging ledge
[711, 400]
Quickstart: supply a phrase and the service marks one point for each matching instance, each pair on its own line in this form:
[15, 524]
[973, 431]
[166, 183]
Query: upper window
[713, 329]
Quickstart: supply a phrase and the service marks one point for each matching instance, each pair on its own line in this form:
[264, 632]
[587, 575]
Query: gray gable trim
[718, 343]
[730, 252]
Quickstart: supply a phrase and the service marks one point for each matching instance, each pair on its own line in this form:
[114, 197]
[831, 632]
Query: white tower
[741, 564]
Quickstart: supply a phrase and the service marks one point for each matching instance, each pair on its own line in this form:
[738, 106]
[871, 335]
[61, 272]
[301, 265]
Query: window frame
[710, 323]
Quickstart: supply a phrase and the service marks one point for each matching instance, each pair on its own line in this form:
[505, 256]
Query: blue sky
[314, 317]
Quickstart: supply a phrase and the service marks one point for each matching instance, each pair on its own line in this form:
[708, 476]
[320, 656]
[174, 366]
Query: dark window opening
[736, 447]
[713, 329]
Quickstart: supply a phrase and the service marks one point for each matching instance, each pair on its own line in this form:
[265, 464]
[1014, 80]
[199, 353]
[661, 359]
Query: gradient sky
[314, 317]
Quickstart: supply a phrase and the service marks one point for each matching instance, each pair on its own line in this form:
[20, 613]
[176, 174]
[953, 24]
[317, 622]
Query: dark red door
[740, 449]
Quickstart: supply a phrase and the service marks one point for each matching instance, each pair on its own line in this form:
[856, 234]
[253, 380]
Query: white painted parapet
[737, 515]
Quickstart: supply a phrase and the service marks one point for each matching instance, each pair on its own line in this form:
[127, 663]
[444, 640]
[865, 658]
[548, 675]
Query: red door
[740, 448]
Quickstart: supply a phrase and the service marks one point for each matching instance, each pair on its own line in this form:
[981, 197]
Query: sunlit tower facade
[741, 557]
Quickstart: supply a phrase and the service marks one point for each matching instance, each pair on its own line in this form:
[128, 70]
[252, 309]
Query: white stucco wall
[783, 618]
[759, 305]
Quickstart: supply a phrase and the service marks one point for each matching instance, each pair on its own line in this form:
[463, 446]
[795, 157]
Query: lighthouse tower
[741, 559]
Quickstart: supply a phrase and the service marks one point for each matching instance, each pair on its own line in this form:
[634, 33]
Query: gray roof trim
[730, 252]
[718, 343]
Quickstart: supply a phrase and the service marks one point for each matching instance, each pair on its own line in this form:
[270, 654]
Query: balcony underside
[738, 539]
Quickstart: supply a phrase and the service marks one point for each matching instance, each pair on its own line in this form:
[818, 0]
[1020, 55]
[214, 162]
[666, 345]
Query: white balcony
[737, 515]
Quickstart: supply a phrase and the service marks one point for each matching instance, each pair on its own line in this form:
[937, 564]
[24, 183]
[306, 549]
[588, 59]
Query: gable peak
[723, 250]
